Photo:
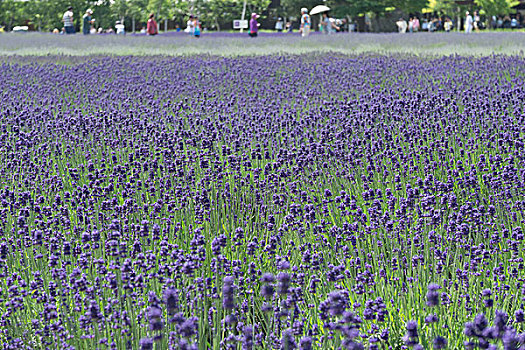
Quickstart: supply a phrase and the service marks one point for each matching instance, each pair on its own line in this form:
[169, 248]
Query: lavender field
[314, 201]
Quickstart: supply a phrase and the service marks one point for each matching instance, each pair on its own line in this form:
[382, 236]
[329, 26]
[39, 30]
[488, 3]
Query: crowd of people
[471, 22]
[508, 22]
[88, 25]
[327, 24]
[193, 25]
[415, 25]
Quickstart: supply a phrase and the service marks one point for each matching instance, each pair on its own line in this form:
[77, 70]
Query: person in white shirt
[468, 23]
[402, 25]
[120, 28]
[190, 26]
[279, 25]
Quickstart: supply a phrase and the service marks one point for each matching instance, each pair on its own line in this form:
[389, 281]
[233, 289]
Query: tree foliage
[496, 7]
[47, 14]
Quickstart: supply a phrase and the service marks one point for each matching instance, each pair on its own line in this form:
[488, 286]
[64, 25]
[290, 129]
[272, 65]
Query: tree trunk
[217, 25]
[459, 20]
[133, 24]
[158, 11]
[165, 26]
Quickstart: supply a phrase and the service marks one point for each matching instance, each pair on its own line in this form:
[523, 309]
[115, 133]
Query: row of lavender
[230, 44]
[273, 202]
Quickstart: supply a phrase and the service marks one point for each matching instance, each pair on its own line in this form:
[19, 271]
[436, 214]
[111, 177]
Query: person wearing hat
[87, 21]
[120, 29]
[68, 21]
[254, 26]
[305, 22]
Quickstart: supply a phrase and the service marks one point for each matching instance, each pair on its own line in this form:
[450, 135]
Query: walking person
[328, 24]
[152, 25]
[325, 24]
[254, 26]
[468, 23]
[305, 22]
[196, 27]
[87, 21]
[69, 27]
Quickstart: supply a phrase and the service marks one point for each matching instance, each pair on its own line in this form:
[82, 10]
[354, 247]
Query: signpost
[240, 24]
[243, 14]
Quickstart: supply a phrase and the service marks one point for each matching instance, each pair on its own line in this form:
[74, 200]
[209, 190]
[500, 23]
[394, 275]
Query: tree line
[45, 15]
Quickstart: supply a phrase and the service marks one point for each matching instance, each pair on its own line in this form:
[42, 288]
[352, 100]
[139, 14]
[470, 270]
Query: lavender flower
[439, 342]
[146, 344]
[228, 293]
[433, 295]
[283, 285]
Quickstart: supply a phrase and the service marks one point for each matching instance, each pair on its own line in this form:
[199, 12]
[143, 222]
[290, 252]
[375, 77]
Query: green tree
[121, 8]
[496, 7]
[138, 11]
[409, 6]
[355, 8]
[213, 12]
[292, 8]
[159, 7]
[8, 13]
[221, 13]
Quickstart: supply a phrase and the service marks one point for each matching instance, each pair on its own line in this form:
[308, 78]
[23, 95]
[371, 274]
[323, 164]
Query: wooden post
[243, 13]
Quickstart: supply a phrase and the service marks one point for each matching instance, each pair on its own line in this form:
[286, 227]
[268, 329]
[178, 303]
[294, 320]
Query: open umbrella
[319, 9]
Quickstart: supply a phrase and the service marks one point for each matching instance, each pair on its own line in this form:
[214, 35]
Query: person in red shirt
[152, 25]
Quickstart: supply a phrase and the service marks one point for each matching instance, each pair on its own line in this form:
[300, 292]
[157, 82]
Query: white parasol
[319, 9]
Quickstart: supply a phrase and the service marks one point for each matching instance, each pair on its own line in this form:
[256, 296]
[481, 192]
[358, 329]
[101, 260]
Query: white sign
[240, 24]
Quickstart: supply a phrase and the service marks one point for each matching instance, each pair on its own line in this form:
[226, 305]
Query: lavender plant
[300, 202]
